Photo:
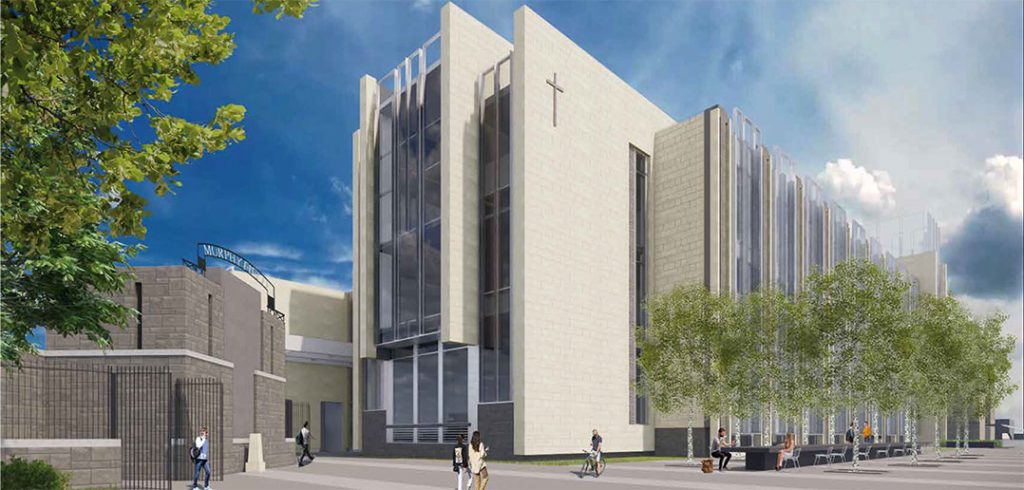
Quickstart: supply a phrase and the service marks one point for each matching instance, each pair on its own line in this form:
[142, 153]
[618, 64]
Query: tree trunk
[913, 438]
[831, 426]
[804, 423]
[689, 436]
[856, 438]
[874, 423]
[959, 430]
[906, 425]
[967, 435]
[938, 454]
[736, 431]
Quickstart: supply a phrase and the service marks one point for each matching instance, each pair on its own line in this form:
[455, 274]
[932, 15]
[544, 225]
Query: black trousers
[305, 453]
[723, 458]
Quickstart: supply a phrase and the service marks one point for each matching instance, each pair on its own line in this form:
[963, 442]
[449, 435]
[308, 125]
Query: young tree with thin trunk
[669, 349]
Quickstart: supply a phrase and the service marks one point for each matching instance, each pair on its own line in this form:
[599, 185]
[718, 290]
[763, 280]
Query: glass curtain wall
[839, 236]
[409, 201]
[747, 164]
[429, 381]
[815, 226]
[639, 163]
[784, 232]
[495, 233]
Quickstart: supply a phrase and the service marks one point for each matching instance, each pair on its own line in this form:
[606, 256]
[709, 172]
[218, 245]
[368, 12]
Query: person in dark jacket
[460, 462]
[851, 433]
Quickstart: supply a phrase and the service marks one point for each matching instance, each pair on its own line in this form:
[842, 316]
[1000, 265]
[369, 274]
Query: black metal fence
[198, 403]
[140, 408]
[154, 416]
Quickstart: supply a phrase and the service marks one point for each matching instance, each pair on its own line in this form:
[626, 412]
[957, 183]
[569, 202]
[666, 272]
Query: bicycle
[592, 463]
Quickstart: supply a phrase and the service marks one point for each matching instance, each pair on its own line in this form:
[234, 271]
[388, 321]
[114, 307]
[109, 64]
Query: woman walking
[477, 463]
[460, 462]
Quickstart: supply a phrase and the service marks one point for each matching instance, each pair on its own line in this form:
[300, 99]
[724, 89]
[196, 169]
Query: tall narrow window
[209, 324]
[408, 208]
[138, 317]
[639, 162]
[495, 236]
[288, 419]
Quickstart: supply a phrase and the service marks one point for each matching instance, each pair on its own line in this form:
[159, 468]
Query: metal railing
[426, 433]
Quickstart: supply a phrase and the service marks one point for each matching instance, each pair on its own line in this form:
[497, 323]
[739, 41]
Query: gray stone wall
[273, 332]
[375, 441]
[242, 332]
[497, 428]
[90, 467]
[175, 314]
[50, 405]
[672, 441]
[269, 406]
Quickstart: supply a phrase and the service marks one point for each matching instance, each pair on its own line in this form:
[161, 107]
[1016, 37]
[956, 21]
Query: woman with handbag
[477, 463]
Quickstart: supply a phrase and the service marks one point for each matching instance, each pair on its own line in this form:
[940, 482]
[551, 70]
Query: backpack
[458, 455]
[193, 452]
[298, 438]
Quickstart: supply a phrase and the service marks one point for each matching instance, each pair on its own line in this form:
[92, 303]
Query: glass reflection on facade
[495, 228]
[408, 182]
[747, 163]
[639, 162]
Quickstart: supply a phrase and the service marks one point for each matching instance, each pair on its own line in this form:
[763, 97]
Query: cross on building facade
[555, 89]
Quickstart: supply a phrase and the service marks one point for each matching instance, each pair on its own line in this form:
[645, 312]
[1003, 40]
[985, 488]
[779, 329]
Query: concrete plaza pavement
[987, 468]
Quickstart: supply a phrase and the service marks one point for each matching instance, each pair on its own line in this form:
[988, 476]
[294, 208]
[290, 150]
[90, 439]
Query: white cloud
[344, 192]
[341, 253]
[322, 281]
[423, 5]
[266, 249]
[892, 86]
[1003, 181]
[870, 191]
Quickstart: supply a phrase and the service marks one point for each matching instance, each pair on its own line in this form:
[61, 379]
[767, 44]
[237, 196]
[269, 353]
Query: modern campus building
[515, 202]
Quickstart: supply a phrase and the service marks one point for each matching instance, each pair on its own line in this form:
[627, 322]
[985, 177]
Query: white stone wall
[570, 232]
[467, 49]
[363, 227]
[925, 267]
[678, 206]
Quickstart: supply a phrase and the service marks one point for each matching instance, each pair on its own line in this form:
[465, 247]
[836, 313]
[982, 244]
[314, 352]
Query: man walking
[202, 445]
[305, 436]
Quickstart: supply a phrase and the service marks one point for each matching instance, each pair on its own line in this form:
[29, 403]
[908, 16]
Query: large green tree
[79, 76]
[854, 306]
[679, 359]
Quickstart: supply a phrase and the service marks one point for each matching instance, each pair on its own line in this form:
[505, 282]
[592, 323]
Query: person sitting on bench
[717, 450]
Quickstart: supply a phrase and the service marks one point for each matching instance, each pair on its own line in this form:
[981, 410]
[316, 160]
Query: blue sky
[922, 101]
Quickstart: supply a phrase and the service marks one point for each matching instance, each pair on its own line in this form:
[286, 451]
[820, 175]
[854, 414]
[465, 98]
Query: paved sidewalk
[991, 468]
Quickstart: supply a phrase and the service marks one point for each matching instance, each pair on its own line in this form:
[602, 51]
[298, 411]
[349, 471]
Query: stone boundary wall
[269, 420]
[92, 463]
[176, 313]
[182, 364]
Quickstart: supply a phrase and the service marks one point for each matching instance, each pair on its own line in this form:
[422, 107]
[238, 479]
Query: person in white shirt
[305, 443]
[202, 445]
[477, 461]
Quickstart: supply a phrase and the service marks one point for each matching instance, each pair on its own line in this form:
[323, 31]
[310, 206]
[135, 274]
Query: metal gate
[155, 418]
[198, 403]
[140, 415]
